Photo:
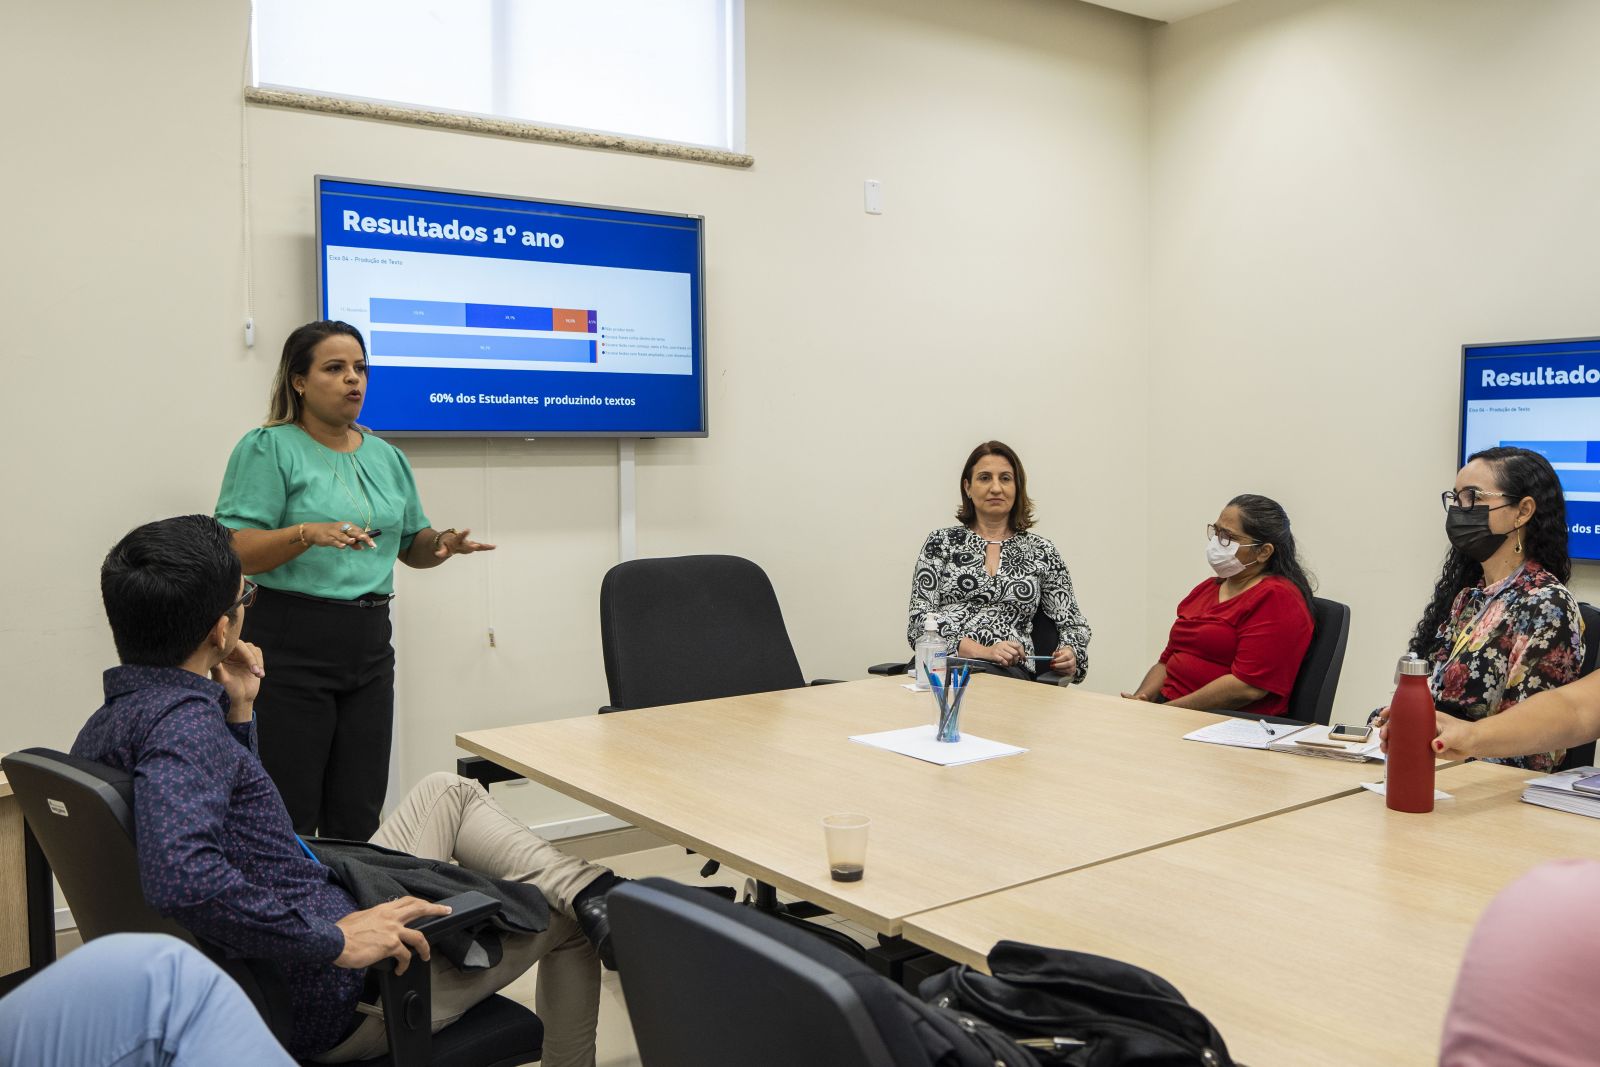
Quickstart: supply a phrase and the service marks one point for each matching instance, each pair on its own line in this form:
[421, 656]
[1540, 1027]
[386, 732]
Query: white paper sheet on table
[918, 742]
[1243, 733]
[1379, 787]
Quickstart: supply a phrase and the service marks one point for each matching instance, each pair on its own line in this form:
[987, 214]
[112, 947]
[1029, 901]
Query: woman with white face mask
[1239, 637]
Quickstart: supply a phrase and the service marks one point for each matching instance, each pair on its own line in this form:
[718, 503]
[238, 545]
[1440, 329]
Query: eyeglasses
[1224, 538]
[1466, 498]
[246, 598]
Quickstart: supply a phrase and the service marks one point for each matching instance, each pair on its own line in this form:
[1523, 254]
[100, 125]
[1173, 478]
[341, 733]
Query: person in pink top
[1526, 992]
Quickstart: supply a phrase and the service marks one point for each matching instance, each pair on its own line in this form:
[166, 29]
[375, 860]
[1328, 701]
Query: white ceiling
[1163, 10]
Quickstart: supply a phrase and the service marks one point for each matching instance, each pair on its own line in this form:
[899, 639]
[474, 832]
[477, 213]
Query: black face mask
[1468, 530]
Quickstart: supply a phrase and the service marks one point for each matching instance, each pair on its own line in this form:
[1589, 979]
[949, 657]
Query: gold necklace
[366, 524]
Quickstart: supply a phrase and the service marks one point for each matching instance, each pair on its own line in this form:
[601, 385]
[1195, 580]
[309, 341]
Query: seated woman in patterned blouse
[987, 578]
[1239, 638]
[1502, 626]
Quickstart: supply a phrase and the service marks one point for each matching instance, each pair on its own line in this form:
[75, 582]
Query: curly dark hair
[1021, 507]
[1263, 519]
[1518, 473]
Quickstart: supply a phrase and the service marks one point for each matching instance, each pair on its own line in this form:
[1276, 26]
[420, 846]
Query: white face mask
[1225, 561]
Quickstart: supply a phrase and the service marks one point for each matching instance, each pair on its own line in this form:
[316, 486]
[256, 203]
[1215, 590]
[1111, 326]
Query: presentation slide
[1544, 396]
[496, 315]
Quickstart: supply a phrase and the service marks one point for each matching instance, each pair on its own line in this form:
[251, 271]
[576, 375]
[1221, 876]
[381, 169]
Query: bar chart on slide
[440, 329]
[427, 310]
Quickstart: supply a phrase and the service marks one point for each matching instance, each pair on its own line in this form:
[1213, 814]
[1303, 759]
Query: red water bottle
[1412, 730]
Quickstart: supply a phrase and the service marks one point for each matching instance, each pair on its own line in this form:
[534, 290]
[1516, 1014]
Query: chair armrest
[608, 709]
[464, 908]
[889, 668]
[826, 681]
[408, 998]
[485, 772]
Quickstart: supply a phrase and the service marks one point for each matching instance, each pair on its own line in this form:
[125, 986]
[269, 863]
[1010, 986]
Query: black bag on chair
[1075, 1009]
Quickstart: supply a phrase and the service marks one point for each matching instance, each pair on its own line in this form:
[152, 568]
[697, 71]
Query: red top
[1259, 637]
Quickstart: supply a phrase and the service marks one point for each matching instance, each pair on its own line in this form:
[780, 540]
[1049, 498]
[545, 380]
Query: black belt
[369, 600]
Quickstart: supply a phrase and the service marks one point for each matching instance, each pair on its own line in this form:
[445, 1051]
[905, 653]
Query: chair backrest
[1318, 680]
[688, 628]
[81, 813]
[1583, 755]
[1046, 635]
[708, 981]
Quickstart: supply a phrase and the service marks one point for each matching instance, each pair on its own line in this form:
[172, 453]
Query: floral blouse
[1504, 643]
[950, 580]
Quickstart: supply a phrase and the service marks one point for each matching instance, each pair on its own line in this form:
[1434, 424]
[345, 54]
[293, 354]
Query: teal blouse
[279, 477]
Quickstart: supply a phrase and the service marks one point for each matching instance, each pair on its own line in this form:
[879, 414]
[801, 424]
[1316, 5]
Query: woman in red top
[1239, 637]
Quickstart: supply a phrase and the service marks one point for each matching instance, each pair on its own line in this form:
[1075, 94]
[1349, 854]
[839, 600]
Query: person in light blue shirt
[134, 1000]
[321, 510]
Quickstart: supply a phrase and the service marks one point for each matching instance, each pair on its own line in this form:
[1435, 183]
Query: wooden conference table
[1328, 935]
[15, 929]
[746, 780]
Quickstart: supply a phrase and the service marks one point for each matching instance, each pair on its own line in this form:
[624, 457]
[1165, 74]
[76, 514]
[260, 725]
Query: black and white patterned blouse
[951, 581]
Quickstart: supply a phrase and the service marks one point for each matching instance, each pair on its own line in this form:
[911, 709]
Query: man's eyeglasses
[1466, 498]
[246, 598]
[1224, 538]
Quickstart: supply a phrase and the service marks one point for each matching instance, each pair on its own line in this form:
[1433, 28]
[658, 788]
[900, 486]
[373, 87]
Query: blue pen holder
[948, 699]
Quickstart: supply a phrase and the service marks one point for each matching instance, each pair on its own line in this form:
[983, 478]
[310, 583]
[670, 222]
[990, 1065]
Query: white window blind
[665, 70]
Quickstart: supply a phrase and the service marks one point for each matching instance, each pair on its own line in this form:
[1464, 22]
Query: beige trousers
[447, 817]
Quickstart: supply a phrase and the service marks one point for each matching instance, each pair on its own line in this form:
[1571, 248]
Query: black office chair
[709, 982]
[1311, 700]
[1046, 639]
[659, 616]
[657, 619]
[81, 814]
[1583, 755]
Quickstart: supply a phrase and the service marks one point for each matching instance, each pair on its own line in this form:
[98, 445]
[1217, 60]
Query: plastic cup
[846, 836]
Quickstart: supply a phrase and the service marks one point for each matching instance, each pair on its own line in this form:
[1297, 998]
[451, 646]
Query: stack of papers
[1286, 737]
[1243, 733]
[1555, 791]
[921, 742]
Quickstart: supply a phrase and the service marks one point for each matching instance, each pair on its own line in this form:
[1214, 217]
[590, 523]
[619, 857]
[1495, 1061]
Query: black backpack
[1075, 1009]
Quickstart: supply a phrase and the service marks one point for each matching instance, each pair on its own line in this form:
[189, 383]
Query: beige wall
[1342, 194]
[854, 359]
[1312, 204]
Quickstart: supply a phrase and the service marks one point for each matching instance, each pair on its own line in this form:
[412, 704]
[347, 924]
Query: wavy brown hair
[1021, 508]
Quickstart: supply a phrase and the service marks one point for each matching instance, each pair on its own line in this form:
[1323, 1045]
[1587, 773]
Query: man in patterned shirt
[218, 853]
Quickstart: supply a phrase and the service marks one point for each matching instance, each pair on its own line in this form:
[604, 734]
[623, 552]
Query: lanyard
[307, 850]
[1465, 637]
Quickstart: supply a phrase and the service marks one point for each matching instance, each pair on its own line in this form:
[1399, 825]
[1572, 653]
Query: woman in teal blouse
[320, 511]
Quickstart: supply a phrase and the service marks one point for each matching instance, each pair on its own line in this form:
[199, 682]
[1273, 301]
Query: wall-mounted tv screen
[1544, 396]
[507, 316]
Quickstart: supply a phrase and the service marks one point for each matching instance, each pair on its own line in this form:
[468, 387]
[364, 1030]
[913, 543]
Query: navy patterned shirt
[217, 852]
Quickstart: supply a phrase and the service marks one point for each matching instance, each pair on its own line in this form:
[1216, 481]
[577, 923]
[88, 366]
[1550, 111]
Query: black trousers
[325, 712]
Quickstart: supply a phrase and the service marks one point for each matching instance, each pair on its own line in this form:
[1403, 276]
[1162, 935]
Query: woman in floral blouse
[986, 578]
[1501, 625]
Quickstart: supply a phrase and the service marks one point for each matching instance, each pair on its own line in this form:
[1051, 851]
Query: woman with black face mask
[1502, 625]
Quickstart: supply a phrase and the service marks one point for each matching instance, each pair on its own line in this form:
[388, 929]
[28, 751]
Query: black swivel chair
[81, 814]
[1583, 755]
[1311, 700]
[659, 616]
[710, 982]
[657, 619]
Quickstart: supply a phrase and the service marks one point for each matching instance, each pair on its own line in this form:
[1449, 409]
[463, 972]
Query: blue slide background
[1576, 358]
[398, 399]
